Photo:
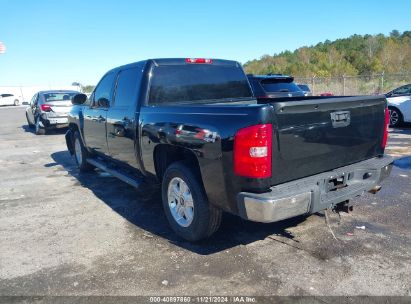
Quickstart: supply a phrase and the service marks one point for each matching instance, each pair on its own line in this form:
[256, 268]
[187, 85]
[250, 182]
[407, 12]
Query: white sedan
[9, 100]
[399, 105]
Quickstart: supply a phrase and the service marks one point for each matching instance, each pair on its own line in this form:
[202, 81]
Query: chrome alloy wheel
[394, 117]
[77, 150]
[180, 202]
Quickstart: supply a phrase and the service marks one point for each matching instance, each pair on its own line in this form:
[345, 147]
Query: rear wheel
[39, 130]
[396, 118]
[186, 205]
[16, 102]
[81, 154]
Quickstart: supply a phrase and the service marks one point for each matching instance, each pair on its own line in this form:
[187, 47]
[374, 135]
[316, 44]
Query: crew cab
[194, 126]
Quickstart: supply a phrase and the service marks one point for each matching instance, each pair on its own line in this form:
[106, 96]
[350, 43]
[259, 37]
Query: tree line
[355, 55]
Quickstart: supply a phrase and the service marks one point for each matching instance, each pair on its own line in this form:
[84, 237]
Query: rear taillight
[45, 107]
[198, 60]
[386, 126]
[252, 151]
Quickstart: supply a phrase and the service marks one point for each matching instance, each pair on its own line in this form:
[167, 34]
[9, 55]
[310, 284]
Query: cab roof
[177, 61]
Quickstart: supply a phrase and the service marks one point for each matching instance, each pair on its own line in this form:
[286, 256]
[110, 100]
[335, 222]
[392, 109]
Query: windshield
[274, 85]
[304, 87]
[198, 82]
[402, 90]
[60, 96]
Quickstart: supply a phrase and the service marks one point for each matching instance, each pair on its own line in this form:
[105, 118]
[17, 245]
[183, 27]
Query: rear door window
[128, 87]
[33, 99]
[197, 83]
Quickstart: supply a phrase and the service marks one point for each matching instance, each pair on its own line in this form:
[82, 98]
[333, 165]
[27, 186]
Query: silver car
[49, 109]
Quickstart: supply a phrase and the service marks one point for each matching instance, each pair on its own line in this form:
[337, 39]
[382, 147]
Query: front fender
[69, 141]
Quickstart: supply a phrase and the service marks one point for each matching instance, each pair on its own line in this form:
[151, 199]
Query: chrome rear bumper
[314, 193]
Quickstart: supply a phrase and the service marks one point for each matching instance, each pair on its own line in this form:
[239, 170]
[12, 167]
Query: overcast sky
[59, 42]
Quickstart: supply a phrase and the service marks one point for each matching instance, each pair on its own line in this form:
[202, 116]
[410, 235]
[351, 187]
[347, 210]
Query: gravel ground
[62, 233]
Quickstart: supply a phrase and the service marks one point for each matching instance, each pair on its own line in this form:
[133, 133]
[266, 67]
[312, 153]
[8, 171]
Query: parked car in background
[9, 100]
[305, 88]
[49, 109]
[399, 105]
[274, 86]
[194, 126]
[326, 94]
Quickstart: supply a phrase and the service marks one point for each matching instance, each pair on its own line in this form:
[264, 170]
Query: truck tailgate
[318, 135]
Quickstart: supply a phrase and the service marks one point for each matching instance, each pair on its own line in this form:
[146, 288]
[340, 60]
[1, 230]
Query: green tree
[355, 55]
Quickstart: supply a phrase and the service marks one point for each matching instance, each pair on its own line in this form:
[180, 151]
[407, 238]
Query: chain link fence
[355, 85]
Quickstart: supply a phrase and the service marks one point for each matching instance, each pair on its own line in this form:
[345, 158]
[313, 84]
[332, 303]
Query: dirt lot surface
[62, 233]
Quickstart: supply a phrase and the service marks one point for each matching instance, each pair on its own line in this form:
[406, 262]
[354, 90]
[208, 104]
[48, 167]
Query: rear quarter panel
[209, 132]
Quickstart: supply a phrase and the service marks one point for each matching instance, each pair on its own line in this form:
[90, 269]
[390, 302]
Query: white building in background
[25, 93]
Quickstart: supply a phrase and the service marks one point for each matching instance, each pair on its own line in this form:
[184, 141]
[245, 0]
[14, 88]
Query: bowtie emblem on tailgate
[340, 119]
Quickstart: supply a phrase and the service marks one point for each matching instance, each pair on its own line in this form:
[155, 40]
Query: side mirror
[79, 99]
[25, 103]
[103, 103]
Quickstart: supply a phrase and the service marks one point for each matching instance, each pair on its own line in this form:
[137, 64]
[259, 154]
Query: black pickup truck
[193, 126]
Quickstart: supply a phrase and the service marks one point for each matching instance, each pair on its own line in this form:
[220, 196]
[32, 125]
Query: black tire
[39, 130]
[396, 118]
[16, 102]
[28, 122]
[81, 162]
[206, 219]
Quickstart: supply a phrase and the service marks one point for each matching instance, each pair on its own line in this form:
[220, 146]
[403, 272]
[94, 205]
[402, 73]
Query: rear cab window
[188, 83]
[60, 96]
[128, 87]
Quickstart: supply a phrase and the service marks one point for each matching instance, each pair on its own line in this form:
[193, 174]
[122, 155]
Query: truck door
[122, 117]
[95, 115]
